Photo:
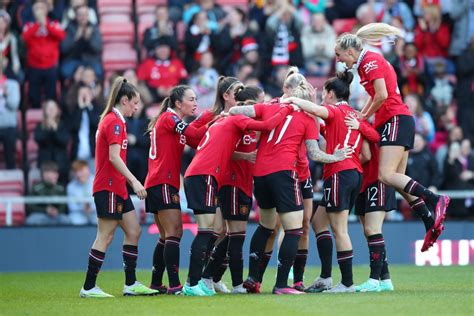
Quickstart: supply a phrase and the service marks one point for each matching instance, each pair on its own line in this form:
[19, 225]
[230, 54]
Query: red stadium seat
[114, 6]
[343, 25]
[144, 22]
[117, 32]
[32, 152]
[11, 181]
[148, 6]
[118, 57]
[115, 18]
[18, 212]
[33, 117]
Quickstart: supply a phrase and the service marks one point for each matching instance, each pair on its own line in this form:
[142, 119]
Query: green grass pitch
[418, 291]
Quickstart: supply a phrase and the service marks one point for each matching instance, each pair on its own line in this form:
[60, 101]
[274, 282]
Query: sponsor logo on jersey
[371, 65]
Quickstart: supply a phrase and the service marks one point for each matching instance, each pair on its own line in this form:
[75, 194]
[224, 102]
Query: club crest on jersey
[117, 129]
[119, 208]
[371, 65]
[247, 140]
[244, 209]
[175, 198]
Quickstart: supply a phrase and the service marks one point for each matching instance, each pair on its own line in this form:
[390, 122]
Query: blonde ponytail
[293, 78]
[371, 34]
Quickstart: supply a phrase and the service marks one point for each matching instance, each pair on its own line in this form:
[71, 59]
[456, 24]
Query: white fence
[9, 201]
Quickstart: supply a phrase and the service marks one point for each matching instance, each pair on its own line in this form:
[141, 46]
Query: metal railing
[9, 201]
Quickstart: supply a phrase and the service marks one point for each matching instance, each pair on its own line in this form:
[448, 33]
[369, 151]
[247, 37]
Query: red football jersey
[373, 66]
[204, 118]
[302, 164]
[240, 172]
[214, 153]
[371, 168]
[279, 148]
[110, 131]
[337, 133]
[167, 141]
[162, 74]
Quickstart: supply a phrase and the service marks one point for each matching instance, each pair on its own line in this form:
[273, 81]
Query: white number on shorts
[386, 131]
[152, 153]
[282, 132]
[327, 193]
[373, 191]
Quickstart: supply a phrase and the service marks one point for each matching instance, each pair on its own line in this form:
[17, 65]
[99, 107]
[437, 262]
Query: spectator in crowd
[71, 12]
[282, 39]
[397, 9]
[42, 39]
[441, 94]
[212, 10]
[82, 45]
[444, 5]
[54, 10]
[83, 76]
[307, 8]
[9, 48]
[162, 71]
[458, 171]
[48, 214]
[163, 26]
[204, 82]
[9, 103]
[424, 124]
[81, 213]
[199, 38]
[231, 39]
[412, 70]
[176, 8]
[273, 87]
[422, 164]
[462, 13]
[465, 90]
[138, 144]
[145, 95]
[13, 9]
[341, 9]
[318, 41]
[432, 37]
[52, 137]
[83, 122]
[455, 135]
[250, 56]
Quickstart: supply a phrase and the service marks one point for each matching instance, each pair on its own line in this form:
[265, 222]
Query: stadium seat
[34, 177]
[117, 32]
[144, 22]
[114, 18]
[32, 152]
[18, 212]
[343, 25]
[114, 6]
[33, 117]
[118, 56]
[11, 181]
[148, 6]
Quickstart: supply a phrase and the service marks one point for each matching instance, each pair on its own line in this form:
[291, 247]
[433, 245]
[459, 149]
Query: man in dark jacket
[82, 45]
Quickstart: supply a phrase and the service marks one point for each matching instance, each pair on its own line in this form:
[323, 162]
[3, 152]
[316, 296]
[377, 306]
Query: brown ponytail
[177, 94]
[224, 85]
[120, 88]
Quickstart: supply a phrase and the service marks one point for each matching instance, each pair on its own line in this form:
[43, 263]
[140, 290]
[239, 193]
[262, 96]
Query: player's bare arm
[308, 106]
[247, 110]
[316, 154]
[381, 95]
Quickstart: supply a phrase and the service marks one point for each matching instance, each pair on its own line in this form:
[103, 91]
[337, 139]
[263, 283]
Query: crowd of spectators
[50, 56]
